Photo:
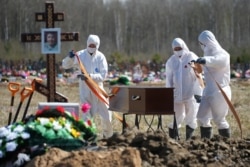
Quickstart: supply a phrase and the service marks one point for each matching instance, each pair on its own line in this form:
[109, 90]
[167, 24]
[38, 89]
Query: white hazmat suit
[181, 76]
[216, 68]
[96, 65]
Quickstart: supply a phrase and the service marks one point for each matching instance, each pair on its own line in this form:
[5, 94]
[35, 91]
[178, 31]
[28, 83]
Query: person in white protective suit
[187, 90]
[216, 66]
[96, 66]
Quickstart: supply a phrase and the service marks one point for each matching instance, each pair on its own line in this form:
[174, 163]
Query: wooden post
[49, 17]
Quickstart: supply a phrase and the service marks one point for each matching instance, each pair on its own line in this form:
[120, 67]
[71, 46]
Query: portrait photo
[51, 40]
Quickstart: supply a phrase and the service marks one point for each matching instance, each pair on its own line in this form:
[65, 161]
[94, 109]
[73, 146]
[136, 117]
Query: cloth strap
[100, 93]
[228, 102]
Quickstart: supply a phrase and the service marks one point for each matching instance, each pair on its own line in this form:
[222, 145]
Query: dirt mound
[135, 149]
[104, 158]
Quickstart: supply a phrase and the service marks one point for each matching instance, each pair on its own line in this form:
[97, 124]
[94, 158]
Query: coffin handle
[136, 97]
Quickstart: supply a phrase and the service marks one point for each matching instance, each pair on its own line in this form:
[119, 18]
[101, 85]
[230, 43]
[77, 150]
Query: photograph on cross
[51, 41]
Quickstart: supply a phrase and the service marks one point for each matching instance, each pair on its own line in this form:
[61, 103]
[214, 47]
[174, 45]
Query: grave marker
[49, 17]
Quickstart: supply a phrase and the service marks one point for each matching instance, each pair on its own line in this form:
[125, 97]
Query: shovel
[30, 97]
[13, 88]
[24, 93]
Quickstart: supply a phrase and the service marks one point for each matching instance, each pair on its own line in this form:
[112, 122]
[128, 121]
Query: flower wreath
[59, 128]
[49, 127]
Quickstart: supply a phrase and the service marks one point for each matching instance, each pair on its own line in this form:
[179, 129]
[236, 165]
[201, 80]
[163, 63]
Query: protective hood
[210, 43]
[178, 42]
[93, 39]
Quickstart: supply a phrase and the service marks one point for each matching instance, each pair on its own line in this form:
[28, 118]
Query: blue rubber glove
[72, 54]
[201, 60]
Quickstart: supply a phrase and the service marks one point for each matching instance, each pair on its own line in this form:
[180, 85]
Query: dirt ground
[150, 149]
[153, 149]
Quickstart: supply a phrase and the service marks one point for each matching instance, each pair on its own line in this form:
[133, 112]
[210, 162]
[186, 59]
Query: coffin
[142, 100]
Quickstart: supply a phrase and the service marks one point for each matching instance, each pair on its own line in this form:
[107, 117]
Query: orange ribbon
[100, 93]
[228, 102]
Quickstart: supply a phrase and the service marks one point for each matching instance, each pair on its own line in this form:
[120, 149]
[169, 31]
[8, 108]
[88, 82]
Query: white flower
[67, 126]
[11, 136]
[4, 132]
[11, 146]
[56, 125]
[19, 129]
[21, 159]
[43, 121]
[1, 141]
[25, 135]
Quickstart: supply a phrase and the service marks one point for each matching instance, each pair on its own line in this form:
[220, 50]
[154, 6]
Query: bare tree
[134, 27]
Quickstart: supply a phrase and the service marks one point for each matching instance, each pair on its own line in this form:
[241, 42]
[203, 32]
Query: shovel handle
[25, 93]
[14, 87]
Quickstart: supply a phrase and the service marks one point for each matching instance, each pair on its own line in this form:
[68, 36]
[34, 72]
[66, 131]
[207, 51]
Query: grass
[240, 100]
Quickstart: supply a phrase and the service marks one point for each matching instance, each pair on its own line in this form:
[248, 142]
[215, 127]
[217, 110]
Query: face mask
[91, 50]
[178, 53]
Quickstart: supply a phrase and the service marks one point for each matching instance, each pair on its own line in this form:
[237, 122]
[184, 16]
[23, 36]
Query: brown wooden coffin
[143, 100]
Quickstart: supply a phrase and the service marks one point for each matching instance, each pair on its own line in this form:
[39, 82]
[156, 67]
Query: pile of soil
[150, 149]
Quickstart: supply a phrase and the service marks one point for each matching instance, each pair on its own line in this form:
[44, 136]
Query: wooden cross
[50, 17]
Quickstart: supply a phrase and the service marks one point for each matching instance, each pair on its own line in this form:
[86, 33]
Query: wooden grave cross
[50, 17]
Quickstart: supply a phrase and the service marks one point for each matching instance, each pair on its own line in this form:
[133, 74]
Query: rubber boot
[173, 133]
[189, 132]
[206, 132]
[225, 132]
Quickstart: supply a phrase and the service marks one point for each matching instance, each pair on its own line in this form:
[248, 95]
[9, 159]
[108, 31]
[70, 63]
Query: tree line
[130, 30]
